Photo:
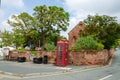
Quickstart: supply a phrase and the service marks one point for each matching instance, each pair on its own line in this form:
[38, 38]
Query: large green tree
[104, 28]
[44, 26]
[23, 24]
[50, 20]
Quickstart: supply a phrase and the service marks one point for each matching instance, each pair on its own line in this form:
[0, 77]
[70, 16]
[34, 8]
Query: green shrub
[50, 47]
[100, 46]
[34, 52]
[21, 49]
[116, 43]
[87, 43]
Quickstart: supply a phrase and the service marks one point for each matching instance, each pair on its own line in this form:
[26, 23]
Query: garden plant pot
[45, 61]
[37, 60]
[21, 59]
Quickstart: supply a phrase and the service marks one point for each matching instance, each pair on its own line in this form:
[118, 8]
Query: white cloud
[79, 9]
[99, 6]
[1, 14]
[13, 3]
[5, 26]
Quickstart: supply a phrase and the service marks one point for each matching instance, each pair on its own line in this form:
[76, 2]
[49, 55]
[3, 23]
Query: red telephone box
[62, 53]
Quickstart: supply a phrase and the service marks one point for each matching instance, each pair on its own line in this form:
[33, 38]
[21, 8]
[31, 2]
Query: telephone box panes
[60, 50]
[66, 50]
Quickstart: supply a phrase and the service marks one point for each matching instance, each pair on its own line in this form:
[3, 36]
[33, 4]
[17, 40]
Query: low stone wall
[51, 55]
[25, 54]
[13, 55]
[88, 57]
[111, 53]
[84, 57]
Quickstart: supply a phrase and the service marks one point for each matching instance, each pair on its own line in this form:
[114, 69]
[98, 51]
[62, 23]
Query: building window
[80, 24]
[74, 38]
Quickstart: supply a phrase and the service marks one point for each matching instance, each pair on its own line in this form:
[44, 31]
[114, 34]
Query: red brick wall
[25, 54]
[111, 53]
[75, 33]
[13, 55]
[84, 57]
[51, 55]
[88, 57]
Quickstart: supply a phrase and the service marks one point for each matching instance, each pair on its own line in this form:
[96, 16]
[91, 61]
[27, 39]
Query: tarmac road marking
[105, 77]
[63, 68]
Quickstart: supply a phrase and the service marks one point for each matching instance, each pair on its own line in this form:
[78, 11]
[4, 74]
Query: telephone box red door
[62, 53]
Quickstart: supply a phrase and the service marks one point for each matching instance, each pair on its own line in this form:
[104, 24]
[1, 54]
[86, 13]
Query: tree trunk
[43, 41]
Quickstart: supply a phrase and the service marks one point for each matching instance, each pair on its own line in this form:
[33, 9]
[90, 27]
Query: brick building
[74, 34]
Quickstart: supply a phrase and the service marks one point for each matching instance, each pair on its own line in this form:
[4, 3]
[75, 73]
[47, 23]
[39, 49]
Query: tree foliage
[18, 39]
[7, 38]
[50, 47]
[104, 28]
[14, 39]
[50, 20]
[44, 26]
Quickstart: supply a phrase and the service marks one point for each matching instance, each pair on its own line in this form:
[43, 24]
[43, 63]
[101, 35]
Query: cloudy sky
[78, 9]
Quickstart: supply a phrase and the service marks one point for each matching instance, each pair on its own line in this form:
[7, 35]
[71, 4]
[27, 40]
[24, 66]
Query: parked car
[9, 47]
[5, 50]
